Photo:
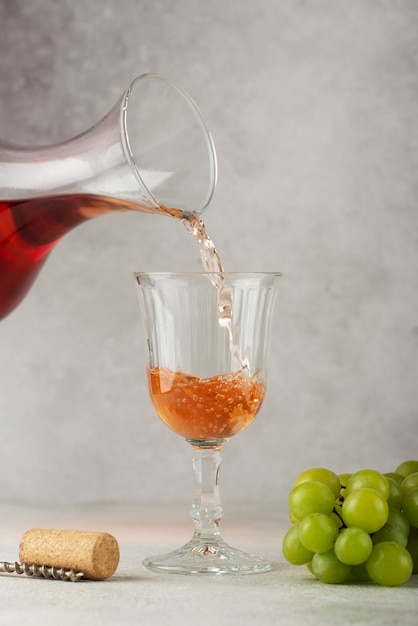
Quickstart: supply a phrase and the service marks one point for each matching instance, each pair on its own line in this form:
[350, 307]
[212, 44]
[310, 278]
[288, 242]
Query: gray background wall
[313, 108]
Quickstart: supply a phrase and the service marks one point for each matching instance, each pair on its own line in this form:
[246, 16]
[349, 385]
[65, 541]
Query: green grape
[406, 468]
[395, 493]
[412, 547]
[389, 564]
[329, 569]
[398, 519]
[389, 533]
[398, 478]
[310, 497]
[409, 483]
[317, 532]
[368, 479]
[353, 546]
[293, 550]
[360, 572]
[343, 478]
[410, 507]
[366, 509]
[321, 475]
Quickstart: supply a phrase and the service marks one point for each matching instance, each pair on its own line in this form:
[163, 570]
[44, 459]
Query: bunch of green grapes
[361, 526]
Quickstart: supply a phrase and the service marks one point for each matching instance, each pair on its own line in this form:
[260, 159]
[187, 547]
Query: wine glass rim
[196, 274]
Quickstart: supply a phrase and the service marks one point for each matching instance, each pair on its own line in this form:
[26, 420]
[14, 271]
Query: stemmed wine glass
[207, 337]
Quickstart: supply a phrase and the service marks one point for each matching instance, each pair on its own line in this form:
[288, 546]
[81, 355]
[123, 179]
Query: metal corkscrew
[41, 571]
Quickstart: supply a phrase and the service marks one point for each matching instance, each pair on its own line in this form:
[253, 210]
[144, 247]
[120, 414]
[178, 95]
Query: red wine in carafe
[29, 230]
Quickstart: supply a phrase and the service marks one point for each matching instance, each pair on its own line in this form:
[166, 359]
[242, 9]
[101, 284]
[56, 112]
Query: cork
[96, 554]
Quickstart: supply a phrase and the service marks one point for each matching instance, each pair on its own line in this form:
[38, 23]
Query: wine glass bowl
[207, 338]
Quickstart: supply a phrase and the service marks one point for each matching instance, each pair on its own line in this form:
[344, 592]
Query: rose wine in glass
[207, 338]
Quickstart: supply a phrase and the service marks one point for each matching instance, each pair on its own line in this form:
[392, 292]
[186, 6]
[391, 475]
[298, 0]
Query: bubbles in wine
[205, 408]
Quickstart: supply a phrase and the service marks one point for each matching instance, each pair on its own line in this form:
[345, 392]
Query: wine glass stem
[206, 510]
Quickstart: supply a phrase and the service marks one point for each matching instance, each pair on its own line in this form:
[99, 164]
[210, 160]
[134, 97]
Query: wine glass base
[207, 557]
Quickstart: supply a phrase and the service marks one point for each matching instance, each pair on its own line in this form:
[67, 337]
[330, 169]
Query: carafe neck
[93, 163]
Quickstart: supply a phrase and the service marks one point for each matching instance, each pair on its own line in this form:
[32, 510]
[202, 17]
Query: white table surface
[286, 595]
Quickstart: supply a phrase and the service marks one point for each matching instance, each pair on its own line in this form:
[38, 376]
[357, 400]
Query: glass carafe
[152, 152]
